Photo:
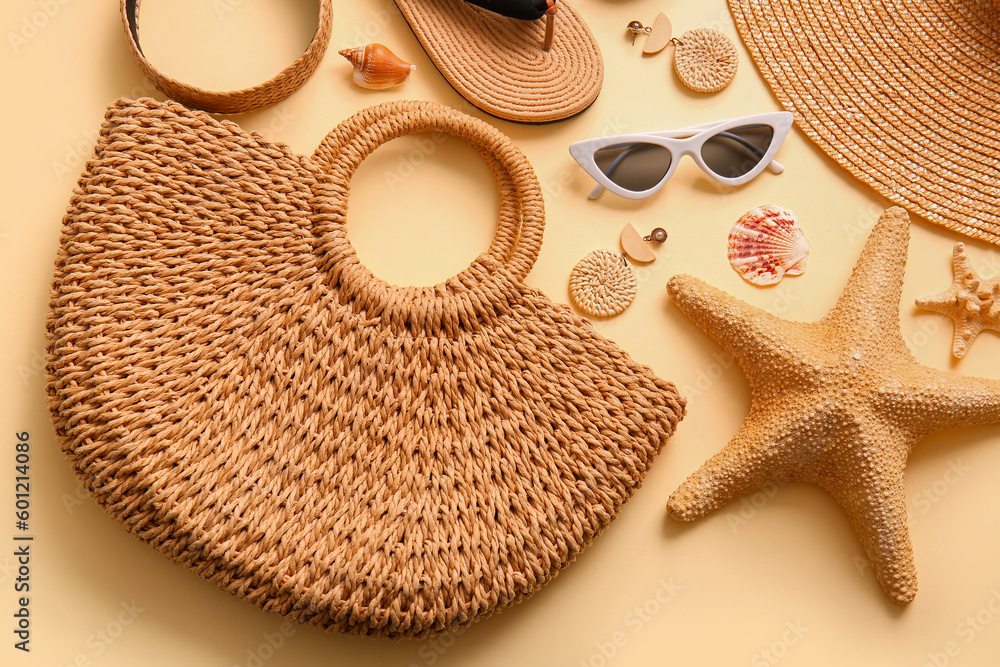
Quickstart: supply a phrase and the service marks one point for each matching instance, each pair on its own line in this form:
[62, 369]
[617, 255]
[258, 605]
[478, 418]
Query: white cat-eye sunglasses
[730, 151]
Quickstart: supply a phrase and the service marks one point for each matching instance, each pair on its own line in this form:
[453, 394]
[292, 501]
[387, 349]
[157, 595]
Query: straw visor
[904, 94]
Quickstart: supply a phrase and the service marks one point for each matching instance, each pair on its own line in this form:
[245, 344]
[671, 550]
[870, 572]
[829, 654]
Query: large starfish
[838, 402]
[973, 303]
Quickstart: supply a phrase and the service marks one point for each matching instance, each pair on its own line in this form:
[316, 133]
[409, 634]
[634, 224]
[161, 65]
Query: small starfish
[838, 402]
[973, 303]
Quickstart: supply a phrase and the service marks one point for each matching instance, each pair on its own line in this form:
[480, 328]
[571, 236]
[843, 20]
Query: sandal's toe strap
[526, 10]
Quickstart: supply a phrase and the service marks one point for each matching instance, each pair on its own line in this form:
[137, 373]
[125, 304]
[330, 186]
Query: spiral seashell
[766, 243]
[705, 60]
[376, 67]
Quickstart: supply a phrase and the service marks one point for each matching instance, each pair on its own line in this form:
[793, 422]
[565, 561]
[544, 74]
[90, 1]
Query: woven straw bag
[240, 392]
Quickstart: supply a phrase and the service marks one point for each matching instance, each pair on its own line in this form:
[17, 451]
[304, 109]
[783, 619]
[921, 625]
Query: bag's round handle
[522, 214]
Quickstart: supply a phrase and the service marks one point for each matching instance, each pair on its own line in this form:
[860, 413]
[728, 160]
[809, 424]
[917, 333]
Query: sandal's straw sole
[498, 63]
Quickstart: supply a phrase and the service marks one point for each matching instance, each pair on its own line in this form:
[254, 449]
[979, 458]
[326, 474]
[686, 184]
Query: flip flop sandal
[493, 55]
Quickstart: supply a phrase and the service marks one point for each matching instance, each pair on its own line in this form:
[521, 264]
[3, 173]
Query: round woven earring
[603, 283]
[705, 60]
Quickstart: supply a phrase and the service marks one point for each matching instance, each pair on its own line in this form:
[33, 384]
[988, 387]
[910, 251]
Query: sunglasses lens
[737, 150]
[634, 166]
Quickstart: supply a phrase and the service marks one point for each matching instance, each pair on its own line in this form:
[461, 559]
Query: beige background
[780, 572]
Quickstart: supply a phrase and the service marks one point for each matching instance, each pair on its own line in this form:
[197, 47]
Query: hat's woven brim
[904, 94]
[498, 64]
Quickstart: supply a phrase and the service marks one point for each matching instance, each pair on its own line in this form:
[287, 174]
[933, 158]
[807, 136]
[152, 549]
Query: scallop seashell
[376, 67]
[766, 243]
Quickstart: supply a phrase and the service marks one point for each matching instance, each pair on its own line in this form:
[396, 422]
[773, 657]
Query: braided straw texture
[497, 63]
[603, 283]
[903, 94]
[265, 94]
[705, 60]
[240, 392]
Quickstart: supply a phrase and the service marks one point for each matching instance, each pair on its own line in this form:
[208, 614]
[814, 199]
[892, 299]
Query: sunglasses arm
[596, 192]
[775, 166]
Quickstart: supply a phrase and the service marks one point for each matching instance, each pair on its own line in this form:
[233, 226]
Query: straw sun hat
[904, 94]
